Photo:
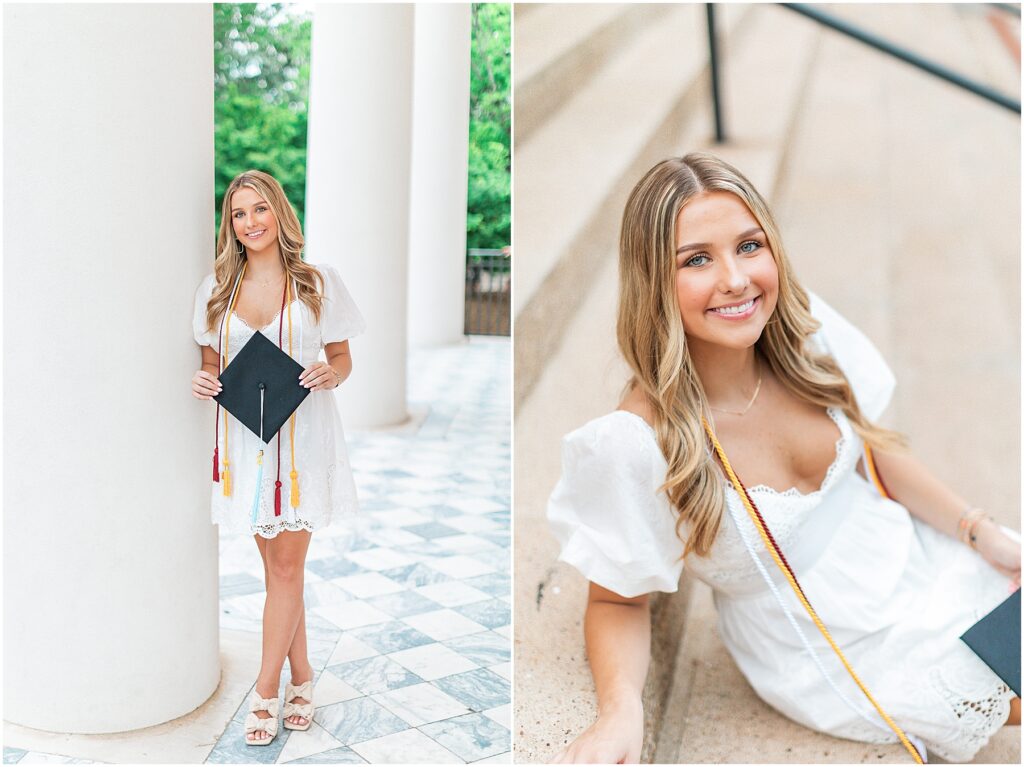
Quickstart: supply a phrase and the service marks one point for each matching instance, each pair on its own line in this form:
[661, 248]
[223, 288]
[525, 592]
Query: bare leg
[298, 658]
[1014, 718]
[284, 560]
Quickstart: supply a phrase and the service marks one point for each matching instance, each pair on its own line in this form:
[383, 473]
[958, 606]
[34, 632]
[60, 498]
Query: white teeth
[735, 309]
[255, 234]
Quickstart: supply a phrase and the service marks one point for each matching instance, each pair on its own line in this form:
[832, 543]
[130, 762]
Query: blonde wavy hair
[652, 338]
[231, 252]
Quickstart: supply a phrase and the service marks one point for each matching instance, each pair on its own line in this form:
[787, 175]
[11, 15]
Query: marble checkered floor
[408, 614]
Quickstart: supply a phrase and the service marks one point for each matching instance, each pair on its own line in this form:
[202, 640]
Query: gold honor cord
[873, 471]
[293, 497]
[769, 543]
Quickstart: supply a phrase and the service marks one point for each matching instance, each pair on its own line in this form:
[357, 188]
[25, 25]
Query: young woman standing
[261, 285]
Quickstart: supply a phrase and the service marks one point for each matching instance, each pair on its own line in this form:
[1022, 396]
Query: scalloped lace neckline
[241, 319]
[837, 417]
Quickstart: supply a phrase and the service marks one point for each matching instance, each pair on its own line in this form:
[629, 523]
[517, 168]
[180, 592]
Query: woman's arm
[319, 375]
[340, 358]
[911, 483]
[618, 636]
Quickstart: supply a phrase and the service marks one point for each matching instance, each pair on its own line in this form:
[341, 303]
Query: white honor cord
[876, 721]
[231, 302]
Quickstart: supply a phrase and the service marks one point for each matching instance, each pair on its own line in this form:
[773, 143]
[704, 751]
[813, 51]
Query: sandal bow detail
[254, 723]
[305, 710]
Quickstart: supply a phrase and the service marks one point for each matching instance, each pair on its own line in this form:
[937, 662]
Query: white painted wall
[440, 159]
[110, 559]
[357, 188]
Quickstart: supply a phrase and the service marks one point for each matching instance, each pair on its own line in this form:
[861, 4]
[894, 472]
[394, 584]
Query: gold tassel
[295, 489]
[226, 479]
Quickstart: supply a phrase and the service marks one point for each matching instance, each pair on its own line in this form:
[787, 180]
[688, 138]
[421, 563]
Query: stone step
[563, 47]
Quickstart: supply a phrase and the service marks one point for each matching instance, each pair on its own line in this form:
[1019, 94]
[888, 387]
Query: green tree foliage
[489, 215]
[261, 74]
[261, 77]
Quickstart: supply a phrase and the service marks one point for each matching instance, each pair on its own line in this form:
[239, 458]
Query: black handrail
[881, 44]
[872, 40]
[1008, 7]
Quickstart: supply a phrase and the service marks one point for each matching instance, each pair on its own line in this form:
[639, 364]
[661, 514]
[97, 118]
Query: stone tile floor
[408, 613]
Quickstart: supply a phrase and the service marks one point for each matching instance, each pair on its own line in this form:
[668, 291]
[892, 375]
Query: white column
[357, 188]
[110, 559]
[440, 158]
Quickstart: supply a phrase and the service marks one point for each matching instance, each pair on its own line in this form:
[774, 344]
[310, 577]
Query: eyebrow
[753, 230]
[261, 202]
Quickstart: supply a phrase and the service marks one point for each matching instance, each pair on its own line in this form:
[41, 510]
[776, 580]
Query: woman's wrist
[620, 702]
[337, 376]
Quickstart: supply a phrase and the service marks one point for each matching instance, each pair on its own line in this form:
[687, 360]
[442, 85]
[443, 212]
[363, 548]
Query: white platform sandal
[305, 710]
[254, 723]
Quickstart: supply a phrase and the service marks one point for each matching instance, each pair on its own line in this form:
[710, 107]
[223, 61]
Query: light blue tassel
[259, 488]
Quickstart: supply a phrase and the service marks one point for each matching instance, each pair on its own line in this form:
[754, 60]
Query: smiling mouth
[256, 235]
[736, 309]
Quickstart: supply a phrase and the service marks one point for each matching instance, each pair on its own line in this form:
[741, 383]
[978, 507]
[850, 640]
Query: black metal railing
[865, 37]
[488, 292]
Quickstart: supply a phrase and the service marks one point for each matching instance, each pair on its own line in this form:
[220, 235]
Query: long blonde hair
[231, 252]
[653, 341]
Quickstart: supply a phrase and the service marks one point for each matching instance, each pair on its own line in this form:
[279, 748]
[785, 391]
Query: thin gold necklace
[757, 390]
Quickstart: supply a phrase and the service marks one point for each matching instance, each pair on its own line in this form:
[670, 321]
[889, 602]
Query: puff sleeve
[870, 377]
[199, 332]
[341, 318]
[605, 511]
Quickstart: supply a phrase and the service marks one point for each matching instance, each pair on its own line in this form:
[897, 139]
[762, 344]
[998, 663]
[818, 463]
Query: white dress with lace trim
[326, 488]
[895, 593]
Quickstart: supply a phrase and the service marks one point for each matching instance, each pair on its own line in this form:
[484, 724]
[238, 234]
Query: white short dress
[326, 488]
[895, 593]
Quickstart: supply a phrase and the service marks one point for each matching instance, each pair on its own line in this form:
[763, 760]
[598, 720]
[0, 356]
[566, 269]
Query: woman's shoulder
[609, 430]
[619, 447]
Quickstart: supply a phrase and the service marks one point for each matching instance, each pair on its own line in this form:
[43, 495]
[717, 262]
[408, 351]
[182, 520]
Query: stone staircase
[838, 138]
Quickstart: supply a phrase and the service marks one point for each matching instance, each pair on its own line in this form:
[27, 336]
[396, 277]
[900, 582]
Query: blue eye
[755, 243]
[692, 261]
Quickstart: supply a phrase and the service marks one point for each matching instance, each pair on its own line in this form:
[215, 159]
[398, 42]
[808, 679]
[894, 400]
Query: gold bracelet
[967, 519]
[973, 536]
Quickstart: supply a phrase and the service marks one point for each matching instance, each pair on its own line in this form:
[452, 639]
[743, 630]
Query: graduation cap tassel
[216, 468]
[226, 476]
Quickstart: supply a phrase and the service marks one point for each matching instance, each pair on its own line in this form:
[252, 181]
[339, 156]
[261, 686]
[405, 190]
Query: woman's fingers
[204, 385]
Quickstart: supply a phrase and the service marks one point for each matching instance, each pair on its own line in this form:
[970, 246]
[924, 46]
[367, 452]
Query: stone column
[440, 158]
[357, 188]
[110, 559]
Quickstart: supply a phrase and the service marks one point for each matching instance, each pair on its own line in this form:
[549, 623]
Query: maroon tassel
[216, 467]
[277, 498]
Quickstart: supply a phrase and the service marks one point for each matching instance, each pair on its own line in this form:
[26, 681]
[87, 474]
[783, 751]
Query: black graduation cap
[261, 366]
[996, 640]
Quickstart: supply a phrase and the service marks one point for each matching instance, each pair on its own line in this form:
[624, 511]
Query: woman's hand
[319, 376]
[615, 738]
[205, 385]
[998, 549]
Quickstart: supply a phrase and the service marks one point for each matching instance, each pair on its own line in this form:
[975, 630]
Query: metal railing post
[715, 92]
